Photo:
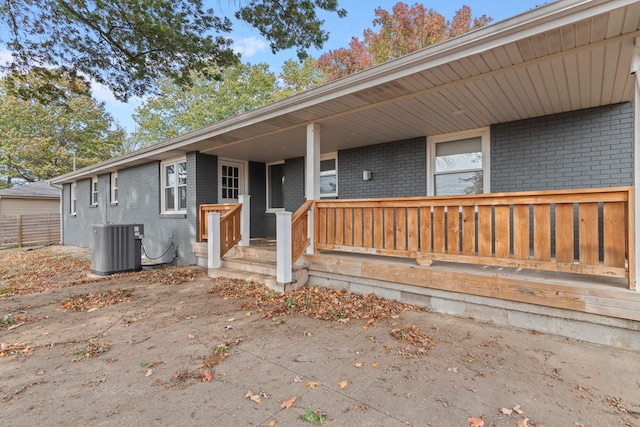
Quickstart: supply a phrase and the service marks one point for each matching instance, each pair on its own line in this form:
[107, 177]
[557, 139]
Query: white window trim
[270, 209]
[329, 156]
[245, 176]
[174, 162]
[93, 191]
[483, 133]
[73, 200]
[113, 187]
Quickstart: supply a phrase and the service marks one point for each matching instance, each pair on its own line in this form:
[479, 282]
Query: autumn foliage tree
[403, 30]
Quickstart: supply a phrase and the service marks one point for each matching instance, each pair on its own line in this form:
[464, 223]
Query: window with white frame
[174, 186]
[459, 163]
[329, 175]
[94, 191]
[73, 199]
[275, 186]
[114, 188]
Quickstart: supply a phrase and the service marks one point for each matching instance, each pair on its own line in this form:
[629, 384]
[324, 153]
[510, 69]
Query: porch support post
[284, 266]
[635, 69]
[312, 181]
[245, 219]
[214, 260]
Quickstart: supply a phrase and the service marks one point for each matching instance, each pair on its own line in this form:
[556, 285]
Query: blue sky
[360, 15]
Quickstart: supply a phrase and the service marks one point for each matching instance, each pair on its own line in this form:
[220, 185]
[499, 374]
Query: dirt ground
[173, 347]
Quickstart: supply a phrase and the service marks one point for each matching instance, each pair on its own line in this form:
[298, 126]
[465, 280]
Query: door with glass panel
[230, 181]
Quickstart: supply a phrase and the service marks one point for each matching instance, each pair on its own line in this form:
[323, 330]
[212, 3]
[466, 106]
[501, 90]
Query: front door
[230, 181]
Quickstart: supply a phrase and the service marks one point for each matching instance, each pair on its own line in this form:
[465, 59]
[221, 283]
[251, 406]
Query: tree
[41, 140]
[128, 44]
[404, 30]
[177, 110]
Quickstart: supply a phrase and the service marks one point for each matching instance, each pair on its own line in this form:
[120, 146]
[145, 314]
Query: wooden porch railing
[299, 230]
[229, 224]
[206, 209]
[579, 231]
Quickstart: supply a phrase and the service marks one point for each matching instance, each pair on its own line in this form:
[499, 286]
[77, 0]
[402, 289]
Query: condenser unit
[115, 248]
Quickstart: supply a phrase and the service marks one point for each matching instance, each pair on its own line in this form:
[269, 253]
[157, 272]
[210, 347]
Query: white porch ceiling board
[442, 75]
[621, 90]
[489, 59]
[552, 91]
[597, 58]
[530, 91]
[501, 107]
[539, 45]
[616, 21]
[631, 19]
[511, 94]
[598, 28]
[436, 121]
[463, 69]
[583, 33]
[584, 78]
[568, 36]
[410, 121]
[378, 121]
[438, 101]
[553, 39]
[367, 123]
[415, 83]
[507, 96]
[561, 84]
[478, 106]
[539, 85]
[611, 66]
[571, 67]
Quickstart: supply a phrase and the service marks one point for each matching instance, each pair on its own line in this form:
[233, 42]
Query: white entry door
[231, 182]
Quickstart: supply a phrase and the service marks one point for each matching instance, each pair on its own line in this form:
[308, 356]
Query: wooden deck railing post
[245, 219]
[310, 232]
[214, 259]
[283, 248]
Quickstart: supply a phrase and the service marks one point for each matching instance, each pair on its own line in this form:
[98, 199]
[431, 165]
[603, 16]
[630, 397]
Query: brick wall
[579, 149]
[398, 169]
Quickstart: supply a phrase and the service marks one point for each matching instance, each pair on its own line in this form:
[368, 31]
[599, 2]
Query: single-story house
[491, 175]
[30, 199]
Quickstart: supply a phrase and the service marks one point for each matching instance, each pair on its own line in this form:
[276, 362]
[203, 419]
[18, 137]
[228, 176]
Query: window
[174, 186]
[94, 191]
[114, 188]
[275, 186]
[329, 175]
[459, 163]
[73, 199]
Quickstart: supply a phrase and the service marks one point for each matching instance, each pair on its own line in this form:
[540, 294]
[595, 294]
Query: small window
[114, 188]
[73, 199]
[329, 175]
[174, 185]
[275, 186]
[459, 163]
[94, 191]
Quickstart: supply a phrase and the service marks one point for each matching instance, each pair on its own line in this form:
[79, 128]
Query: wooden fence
[579, 231]
[29, 230]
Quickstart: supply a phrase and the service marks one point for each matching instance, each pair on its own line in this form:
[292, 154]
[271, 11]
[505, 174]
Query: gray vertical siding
[398, 169]
[579, 149]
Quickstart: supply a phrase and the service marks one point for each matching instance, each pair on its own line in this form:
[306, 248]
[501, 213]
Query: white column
[245, 219]
[312, 179]
[214, 260]
[284, 267]
[635, 69]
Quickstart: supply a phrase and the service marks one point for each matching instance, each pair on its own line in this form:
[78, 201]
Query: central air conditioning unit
[115, 248]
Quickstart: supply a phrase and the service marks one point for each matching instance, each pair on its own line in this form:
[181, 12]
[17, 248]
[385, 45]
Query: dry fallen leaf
[272, 423]
[191, 336]
[476, 422]
[313, 384]
[288, 403]
[358, 365]
[248, 395]
[343, 384]
[518, 410]
[374, 364]
[149, 373]
[506, 411]
[523, 423]
[256, 398]
[207, 377]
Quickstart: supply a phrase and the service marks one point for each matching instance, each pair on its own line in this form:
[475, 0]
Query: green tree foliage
[403, 30]
[177, 110]
[38, 140]
[128, 44]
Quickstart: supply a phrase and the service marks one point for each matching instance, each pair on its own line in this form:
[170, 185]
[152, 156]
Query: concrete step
[260, 271]
[265, 253]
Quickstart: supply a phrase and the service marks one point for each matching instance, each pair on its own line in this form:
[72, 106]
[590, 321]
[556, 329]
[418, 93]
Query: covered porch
[567, 249]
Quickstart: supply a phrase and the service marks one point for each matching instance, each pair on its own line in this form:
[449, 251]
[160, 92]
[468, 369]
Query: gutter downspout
[635, 69]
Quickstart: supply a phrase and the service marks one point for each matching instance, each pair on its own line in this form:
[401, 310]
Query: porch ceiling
[562, 56]
[578, 65]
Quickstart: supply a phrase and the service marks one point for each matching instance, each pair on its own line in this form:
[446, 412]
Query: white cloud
[249, 46]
